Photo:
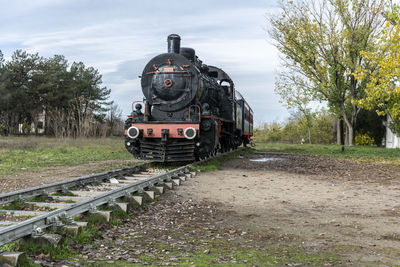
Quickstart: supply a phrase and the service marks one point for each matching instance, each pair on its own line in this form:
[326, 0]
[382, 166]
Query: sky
[119, 37]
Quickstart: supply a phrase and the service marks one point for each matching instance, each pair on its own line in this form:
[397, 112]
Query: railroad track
[56, 204]
[62, 201]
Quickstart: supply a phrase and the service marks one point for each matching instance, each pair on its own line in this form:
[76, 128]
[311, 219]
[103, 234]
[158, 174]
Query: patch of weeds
[116, 217]
[40, 198]
[9, 247]
[25, 262]
[15, 205]
[61, 251]
[116, 214]
[134, 206]
[86, 235]
[20, 205]
[96, 219]
[29, 246]
[211, 165]
[232, 253]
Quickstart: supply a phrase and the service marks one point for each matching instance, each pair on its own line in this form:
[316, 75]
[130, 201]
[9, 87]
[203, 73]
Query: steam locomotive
[190, 110]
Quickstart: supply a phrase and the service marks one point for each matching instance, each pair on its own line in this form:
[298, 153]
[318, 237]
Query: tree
[19, 96]
[89, 97]
[295, 94]
[322, 40]
[56, 93]
[382, 92]
[114, 119]
[72, 97]
[1, 58]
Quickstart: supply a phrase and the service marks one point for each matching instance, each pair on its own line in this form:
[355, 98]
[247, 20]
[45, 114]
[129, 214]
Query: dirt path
[356, 215]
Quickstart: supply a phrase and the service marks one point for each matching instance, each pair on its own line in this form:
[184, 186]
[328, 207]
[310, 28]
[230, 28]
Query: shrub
[364, 139]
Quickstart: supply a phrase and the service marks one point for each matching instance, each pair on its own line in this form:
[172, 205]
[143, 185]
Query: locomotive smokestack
[174, 43]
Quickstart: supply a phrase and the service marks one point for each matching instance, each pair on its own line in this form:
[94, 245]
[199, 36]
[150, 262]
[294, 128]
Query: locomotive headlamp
[138, 107]
[133, 132]
[190, 133]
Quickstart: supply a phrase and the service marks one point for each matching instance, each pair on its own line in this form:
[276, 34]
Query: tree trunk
[339, 131]
[350, 127]
[351, 135]
[309, 135]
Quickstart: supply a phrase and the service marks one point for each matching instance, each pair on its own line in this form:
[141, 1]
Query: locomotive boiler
[189, 111]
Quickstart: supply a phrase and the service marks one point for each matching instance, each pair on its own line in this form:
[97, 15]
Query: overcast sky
[119, 37]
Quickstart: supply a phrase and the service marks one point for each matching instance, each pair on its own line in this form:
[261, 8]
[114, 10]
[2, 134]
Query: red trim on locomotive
[247, 134]
[156, 129]
[156, 72]
[219, 128]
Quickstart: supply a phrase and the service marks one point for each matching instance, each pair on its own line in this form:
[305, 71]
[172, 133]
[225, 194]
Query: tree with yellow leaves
[382, 92]
[322, 40]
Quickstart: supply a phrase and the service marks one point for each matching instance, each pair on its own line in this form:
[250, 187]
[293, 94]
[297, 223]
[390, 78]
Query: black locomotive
[189, 111]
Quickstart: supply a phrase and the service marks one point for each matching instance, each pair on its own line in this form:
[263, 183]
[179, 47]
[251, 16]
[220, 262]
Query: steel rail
[37, 224]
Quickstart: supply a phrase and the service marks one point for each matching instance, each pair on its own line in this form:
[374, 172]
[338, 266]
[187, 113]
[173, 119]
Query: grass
[20, 205]
[226, 253]
[364, 153]
[18, 154]
[40, 198]
[15, 205]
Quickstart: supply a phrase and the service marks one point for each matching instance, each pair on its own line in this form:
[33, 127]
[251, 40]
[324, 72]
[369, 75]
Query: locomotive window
[227, 87]
[213, 74]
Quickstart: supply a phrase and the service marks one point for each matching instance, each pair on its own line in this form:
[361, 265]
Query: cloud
[119, 37]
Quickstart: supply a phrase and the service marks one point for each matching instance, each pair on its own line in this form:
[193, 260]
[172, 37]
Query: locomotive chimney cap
[174, 43]
[174, 36]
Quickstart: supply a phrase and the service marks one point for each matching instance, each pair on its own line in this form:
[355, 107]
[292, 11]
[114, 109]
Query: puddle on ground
[266, 159]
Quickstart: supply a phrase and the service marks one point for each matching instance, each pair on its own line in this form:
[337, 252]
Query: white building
[41, 119]
[392, 140]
